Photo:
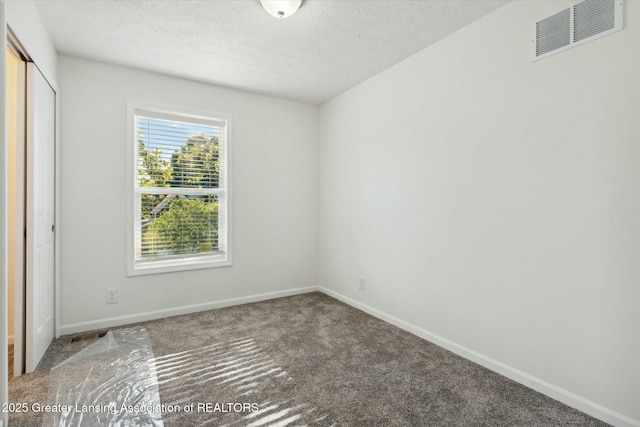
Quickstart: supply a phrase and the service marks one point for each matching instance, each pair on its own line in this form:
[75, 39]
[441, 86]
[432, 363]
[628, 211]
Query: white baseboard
[73, 328]
[10, 340]
[571, 399]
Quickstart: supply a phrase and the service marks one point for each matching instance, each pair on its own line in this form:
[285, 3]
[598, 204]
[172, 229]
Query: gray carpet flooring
[10, 361]
[312, 360]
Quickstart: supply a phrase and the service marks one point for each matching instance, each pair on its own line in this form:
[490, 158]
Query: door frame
[14, 43]
[33, 40]
[19, 328]
[4, 380]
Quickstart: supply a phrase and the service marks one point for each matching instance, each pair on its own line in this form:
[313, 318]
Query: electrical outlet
[361, 286]
[112, 296]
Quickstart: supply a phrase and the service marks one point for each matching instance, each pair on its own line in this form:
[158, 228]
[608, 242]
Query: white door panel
[40, 216]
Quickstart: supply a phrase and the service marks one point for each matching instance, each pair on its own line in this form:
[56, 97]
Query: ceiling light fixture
[281, 8]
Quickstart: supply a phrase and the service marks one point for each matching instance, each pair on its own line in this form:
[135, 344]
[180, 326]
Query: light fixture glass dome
[281, 8]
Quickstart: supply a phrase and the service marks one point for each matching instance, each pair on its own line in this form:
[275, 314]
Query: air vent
[579, 24]
[88, 337]
[593, 17]
[553, 32]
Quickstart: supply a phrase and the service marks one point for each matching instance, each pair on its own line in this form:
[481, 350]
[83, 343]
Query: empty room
[320, 213]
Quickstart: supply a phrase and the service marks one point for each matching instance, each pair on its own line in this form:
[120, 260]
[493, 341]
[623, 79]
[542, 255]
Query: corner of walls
[24, 20]
[318, 193]
[274, 197]
[491, 200]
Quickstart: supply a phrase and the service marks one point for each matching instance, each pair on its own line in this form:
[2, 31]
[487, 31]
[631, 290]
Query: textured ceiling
[326, 48]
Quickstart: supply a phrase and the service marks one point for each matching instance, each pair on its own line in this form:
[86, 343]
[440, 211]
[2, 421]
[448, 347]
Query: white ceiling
[326, 48]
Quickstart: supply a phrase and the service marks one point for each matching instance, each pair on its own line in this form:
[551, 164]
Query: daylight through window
[180, 191]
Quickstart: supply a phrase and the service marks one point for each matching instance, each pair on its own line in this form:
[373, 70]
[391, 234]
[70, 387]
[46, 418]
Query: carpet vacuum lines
[231, 384]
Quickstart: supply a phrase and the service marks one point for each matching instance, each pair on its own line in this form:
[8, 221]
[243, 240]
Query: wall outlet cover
[112, 296]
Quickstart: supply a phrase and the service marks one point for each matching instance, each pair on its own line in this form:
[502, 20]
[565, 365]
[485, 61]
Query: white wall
[24, 20]
[274, 190]
[493, 204]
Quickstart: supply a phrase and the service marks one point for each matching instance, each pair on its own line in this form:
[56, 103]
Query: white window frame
[223, 257]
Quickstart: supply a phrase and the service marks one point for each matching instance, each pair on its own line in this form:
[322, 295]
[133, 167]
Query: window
[179, 200]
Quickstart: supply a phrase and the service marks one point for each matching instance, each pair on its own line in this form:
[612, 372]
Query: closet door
[40, 216]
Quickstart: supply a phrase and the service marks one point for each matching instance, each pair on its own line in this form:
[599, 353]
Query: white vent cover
[578, 24]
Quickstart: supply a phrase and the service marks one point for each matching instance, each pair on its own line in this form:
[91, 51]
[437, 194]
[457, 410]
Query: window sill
[220, 259]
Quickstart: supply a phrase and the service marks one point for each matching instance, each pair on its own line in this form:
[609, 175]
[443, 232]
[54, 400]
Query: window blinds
[180, 186]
